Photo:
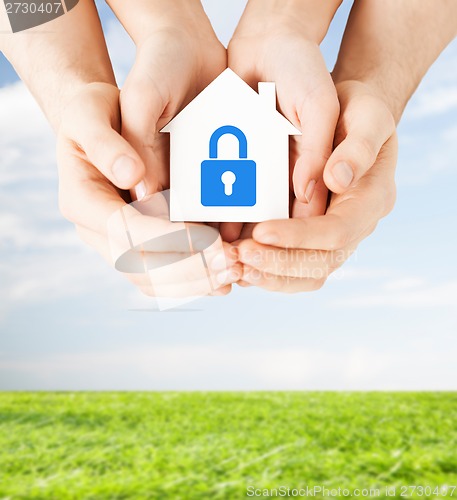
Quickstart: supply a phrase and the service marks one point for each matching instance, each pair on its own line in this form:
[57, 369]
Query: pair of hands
[348, 146]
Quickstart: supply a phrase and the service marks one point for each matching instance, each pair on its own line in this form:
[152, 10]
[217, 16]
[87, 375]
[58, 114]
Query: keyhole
[228, 179]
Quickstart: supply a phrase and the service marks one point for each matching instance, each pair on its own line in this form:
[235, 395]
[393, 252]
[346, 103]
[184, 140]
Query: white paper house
[229, 101]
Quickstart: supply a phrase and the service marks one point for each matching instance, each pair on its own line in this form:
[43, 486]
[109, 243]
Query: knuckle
[98, 140]
[365, 148]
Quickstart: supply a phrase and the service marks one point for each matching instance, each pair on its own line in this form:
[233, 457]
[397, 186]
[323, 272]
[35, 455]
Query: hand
[299, 254]
[172, 66]
[88, 136]
[279, 50]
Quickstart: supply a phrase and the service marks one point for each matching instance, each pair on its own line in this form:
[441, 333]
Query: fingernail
[309, 192]
[219, 263]
[140, 190]
[343, 174]
[124, 169]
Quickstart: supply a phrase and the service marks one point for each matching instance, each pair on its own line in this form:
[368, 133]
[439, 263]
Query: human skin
[56, 60]
[387, 48]
[178, 55]
[298, 254]
[66, 66]
[278, 41]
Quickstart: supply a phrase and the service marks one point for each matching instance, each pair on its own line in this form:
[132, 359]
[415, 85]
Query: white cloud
[404, 284]
[208, 368]
[406, 294]
[21, 116]
[451, 134]
[356, 273]
[41, 260]
[54, 274]
[434, 102]
[41, 256]
[437, 93]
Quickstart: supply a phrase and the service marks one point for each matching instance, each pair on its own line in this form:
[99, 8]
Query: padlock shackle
[228, 129]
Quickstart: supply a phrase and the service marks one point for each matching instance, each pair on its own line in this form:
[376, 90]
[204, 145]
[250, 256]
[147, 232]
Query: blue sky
[387, 320]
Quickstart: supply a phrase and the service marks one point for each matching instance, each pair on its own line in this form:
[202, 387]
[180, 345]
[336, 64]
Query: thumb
[90, 126]
[318, 118]
[368, 130]
[142, 107]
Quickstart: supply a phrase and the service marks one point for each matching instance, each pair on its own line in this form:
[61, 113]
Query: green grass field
[216, 445]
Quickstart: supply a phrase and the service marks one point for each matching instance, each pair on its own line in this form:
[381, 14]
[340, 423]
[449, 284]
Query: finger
[312, 264]
[347, 218]
[318, 118]
[306, 96]
[246, 232]
[222, 292]
[178, 273]
[92, 128]
[149, 291]
[284, 284]
[86, 197]
[317, 205]
[326, 232]
[244, 284]
[231, 231]
[142, 105]
[189, 286]
[367, 132]
[342, 225]
[185, 286]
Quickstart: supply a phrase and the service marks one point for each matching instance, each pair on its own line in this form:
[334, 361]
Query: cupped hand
[300, 253]
[172, 66]
[88, 146]
[306, 96]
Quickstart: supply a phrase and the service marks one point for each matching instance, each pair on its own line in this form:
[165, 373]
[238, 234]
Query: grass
[215, 445]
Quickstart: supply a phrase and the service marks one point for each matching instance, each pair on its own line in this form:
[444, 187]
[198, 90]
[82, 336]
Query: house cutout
[222, 114]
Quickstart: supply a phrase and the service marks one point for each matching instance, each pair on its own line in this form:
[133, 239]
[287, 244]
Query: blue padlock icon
[228, 183]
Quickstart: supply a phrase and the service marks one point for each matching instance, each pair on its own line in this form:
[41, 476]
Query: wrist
[306, 18]
[96, 94]
[145, 18]
[60, 58]
[395, 99]
[55, 107]
[54, 87]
